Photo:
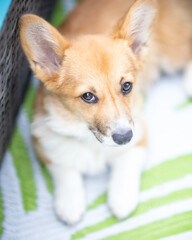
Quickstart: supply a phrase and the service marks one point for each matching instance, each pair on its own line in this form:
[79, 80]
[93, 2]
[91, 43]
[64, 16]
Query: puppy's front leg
[125, 181]
[69, 193]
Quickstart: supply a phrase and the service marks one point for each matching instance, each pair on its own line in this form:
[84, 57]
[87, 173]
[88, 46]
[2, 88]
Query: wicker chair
[14, 69]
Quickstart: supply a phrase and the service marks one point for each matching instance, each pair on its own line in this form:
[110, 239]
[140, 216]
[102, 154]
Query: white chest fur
[70, 147]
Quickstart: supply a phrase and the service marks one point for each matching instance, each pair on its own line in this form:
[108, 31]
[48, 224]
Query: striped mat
[165, 207]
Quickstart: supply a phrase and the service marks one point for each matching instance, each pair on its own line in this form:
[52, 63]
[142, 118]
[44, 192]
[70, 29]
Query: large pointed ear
[44, 47]
[137, 25]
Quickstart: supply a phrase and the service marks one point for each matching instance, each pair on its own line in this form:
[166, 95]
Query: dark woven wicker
[14, 69]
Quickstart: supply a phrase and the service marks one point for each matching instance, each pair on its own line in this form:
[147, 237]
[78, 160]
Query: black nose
[122, 138]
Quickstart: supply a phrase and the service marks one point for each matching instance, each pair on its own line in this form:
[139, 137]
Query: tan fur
[144, 140]
[103, 16]
[174, 31]
[39, 151]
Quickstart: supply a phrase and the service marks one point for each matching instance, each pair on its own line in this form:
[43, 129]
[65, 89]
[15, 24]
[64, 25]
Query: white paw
[70, 207]
[122, 202]
[124, 184]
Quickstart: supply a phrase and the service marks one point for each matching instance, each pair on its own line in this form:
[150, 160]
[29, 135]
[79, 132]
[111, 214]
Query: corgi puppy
[93, 71]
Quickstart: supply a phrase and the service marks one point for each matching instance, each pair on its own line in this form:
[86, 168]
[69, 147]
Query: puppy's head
[94, 76]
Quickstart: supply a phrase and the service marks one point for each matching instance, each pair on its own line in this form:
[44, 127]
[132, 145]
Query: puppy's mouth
[116, 139]
[96, 133]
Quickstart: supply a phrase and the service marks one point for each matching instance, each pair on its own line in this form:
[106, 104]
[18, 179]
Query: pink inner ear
[44, 46]
[139, 33]
[49, 59]
[137, 47]
[140, 26]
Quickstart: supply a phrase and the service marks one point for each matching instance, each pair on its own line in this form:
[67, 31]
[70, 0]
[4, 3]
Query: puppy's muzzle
[122, 138]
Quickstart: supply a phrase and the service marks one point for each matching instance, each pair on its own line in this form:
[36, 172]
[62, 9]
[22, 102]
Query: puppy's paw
[70, 207]
[122, 202]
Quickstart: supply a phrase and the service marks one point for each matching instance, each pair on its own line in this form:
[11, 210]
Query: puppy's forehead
[97, 57]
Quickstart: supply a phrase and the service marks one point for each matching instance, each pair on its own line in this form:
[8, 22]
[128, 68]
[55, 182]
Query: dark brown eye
[89, 97]
[126, 88]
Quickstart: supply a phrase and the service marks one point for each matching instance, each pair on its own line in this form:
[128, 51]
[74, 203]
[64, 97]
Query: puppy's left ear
[44, 47]
[137, 25]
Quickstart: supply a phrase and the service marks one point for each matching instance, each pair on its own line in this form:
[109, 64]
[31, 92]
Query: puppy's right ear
[44, 47]
[137, 26]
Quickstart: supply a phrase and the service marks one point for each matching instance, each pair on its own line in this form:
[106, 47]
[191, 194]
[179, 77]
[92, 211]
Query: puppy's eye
[89, 97]
[126, 88]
